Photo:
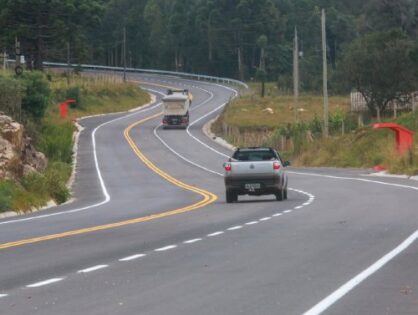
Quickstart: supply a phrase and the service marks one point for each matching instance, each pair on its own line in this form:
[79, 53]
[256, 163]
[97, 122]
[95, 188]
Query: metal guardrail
[198, 77]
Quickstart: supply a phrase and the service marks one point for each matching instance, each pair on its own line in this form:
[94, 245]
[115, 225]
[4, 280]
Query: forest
[215, 37]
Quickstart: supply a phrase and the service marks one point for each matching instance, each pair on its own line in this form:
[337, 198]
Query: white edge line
[99, 174]
[94, 268]
[3, 295]
[43, 283]
[323, 305]
[348, 286]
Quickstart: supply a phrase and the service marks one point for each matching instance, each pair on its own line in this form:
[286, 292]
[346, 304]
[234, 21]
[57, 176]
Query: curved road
[150, 232]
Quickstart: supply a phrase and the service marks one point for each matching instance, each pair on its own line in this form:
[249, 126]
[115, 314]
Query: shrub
[11, 91]
[56, 177]
[35, 183]
[37, 94]
[56, 140]
[7, 189]
[75, 94]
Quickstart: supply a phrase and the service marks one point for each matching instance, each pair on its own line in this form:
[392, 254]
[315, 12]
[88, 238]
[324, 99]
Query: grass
[97, 95]
[255, 121]
[270, 112]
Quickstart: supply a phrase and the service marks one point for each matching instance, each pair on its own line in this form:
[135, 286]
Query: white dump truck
[176, 107]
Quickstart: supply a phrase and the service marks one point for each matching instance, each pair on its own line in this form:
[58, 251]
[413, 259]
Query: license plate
[252, 187]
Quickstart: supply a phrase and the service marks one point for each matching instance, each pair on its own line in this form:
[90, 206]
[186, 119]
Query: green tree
[382, 68]
[37, 95]
[44, 26]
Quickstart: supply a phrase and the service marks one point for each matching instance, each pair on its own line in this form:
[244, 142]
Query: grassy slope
[54, 137]
[252, 125]
[251, 111]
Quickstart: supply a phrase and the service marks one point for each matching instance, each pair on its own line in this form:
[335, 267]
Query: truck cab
[176, 109]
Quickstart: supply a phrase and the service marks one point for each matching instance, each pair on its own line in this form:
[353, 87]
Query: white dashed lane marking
[94, 268]
[43, 283]
[192, 241]
[216, 234]
[234, 228]
[163, 249]
[133, 257]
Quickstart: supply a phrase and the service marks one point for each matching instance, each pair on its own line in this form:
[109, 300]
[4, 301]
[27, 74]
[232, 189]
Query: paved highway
[150, 232]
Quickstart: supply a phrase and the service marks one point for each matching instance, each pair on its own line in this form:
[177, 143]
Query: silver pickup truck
[255, 172]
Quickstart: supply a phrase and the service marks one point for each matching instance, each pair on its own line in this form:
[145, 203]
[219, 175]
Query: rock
[18, 157]
[268, 110]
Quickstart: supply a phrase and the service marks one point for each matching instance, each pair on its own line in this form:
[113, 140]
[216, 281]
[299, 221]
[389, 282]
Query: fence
[359, 104]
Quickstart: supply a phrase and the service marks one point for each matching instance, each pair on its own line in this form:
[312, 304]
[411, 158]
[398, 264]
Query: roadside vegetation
[33, 100]
[255, 121]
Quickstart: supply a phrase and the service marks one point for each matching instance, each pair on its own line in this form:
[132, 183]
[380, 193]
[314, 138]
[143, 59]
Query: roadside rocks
[18, 157]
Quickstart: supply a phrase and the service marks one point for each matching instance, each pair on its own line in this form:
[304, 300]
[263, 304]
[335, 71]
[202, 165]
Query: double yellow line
[207, 198]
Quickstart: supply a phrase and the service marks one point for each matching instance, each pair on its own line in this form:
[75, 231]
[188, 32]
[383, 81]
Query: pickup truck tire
[231, 197]
[279, 195]
[285, 194]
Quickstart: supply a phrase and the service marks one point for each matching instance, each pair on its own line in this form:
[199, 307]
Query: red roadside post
[64, 108]
[404, 136]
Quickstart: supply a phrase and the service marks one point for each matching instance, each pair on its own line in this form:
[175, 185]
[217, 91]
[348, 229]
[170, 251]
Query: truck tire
[231, 197]
[285, 194]
[279, 195]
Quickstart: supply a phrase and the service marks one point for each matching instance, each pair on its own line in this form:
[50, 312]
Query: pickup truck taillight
[228, 167]
[276, 166]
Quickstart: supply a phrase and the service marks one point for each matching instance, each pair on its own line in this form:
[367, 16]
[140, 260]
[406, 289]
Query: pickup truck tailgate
[248, 169]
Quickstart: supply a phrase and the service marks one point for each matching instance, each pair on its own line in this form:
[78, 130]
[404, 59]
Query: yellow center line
[207, 199]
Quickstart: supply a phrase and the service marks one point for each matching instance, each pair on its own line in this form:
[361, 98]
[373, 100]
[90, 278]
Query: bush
[7, 189]
[75, 94]
[35, 183]
[37, 94]
[56, 140]
[56, 177]
[11, 92]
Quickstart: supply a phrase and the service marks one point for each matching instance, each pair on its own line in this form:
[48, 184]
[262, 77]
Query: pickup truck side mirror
[286, 164]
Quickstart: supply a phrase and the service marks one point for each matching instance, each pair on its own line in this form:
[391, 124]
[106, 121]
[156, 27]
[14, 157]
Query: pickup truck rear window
[254, 156]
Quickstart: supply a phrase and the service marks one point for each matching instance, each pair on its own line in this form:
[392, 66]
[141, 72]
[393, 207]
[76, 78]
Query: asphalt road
[150, 232]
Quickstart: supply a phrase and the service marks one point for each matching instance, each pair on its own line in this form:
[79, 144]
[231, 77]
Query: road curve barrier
[192, 76]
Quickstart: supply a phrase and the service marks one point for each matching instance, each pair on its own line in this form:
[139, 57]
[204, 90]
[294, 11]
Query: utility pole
[4, 59]
[240, 67]
[124, 54]
[18, 52]
[68, 63]
[295, 76]
[325, 73]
